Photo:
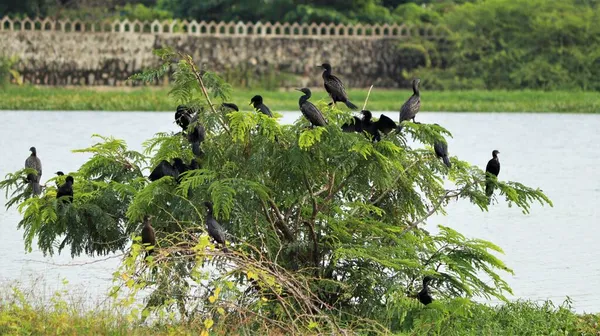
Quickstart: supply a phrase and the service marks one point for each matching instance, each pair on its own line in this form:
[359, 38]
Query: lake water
[553, 251]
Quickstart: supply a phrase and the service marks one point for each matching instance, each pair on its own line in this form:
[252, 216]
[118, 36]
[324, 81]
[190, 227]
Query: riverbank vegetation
[156, 99]
[24, 312]
[321, 231]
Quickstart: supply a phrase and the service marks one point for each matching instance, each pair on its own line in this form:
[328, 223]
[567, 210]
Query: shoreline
[156, 99]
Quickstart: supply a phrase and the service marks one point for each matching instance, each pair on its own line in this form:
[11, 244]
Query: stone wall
[73, 53]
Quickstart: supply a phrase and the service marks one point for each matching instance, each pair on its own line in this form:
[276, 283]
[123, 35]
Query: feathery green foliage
[324, 228]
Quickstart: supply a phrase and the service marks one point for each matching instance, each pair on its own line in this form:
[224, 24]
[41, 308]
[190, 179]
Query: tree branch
[280, 223]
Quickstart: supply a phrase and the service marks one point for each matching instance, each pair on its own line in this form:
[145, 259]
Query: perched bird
[411, 107]
[66, 190]
[335, 87]
[424, 296]
[34, 162]
[493, 168]
[384, 125]
[310, 111]
[257, 102]
[183, 117]
[164, 168]
[215, 230]
[196, 135]
[441, 151]
[148, 236]
[231, 106]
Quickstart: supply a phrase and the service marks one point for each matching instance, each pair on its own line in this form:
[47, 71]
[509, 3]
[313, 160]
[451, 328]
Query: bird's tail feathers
[447, 161]
[196, 149]
[350, 105]
[36, 187]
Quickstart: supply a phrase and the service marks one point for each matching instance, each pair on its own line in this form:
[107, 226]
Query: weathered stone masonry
[72, 53]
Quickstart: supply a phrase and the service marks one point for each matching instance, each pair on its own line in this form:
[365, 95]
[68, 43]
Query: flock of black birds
[195, 133]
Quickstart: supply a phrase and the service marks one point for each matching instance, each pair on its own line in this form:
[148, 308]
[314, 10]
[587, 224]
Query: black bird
[34, 162]
[148, 236]
[183, 117]
[215, 230]
[310, 111]
[424, 296]
[335, 87]
[196, 135]
[493, 168]
[257, 102]
[441, 151]
[66, 190]
[231, 106]
[411, 107]
[164, 168]
[384, 125]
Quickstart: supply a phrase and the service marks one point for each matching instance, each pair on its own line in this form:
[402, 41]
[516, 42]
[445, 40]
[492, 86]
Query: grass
[156, 99]
[27, 311]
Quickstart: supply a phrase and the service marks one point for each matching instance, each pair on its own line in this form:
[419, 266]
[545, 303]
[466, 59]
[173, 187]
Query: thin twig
[367, 99]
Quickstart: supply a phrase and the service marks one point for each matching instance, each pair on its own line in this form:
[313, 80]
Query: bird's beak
[319, 66]
[298, 90]
[250, 103]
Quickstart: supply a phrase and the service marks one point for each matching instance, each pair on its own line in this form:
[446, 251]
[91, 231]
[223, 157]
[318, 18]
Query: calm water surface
[553, 251]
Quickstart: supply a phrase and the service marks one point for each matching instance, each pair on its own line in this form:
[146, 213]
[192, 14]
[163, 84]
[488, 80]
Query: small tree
[324, 227]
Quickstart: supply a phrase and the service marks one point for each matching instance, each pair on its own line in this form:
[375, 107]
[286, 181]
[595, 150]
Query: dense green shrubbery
[516, 44]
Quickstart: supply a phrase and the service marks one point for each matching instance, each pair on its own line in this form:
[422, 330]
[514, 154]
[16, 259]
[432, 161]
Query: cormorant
[66, 190]
[335, 87]
[215, 230]
[257, 102]
[148, 236]
[424, 296]
[384, 125]
[441, 151]
[34, 162]
[493, 167]
[164, 168]
[183, 117]
[310, 111]
[231, 106]
[196, 136]
[411, 107]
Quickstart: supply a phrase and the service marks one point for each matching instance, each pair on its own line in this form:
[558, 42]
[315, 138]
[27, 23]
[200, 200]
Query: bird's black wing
[441, 151]
[215, 230]
[353, 126]
[313, 114]
[410, 108]
[163, 169]
[335, 88]
[385, 125]
[265, 110]
[231, 106]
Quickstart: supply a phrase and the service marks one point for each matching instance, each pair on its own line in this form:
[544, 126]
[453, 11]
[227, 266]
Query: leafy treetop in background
[324, 228]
